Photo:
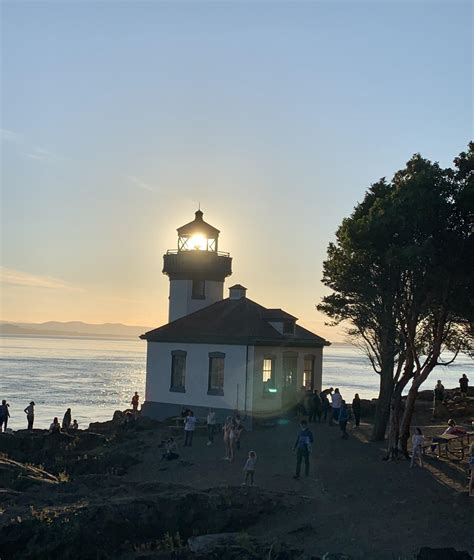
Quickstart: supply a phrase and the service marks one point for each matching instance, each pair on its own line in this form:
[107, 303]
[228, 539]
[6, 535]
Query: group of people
[232, 431]
[67, 425]
[328, 405]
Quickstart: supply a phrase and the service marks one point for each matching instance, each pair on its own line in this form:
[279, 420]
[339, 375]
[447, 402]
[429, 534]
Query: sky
[119, 118]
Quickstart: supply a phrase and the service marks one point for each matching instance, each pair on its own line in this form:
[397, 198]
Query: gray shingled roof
[232, 321]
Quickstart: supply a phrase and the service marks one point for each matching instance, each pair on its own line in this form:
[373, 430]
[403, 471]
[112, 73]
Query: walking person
[30, 414]
[356, 409]
[303, 443]
[336, 400]
[343, 417]
[189, 427]
[238, 429]
[66, 420]
[417, 441]
[249, 468]
[211, 424]
[134, 403]
[464, 385]
[4, 415]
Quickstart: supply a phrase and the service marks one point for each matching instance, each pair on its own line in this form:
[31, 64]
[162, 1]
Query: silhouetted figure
[325, 406]
[67, 420]
[343, 418]
[336, 400]
[464, 385]
[75, 425]
[211, 424]
[4, 415]
[356, 409]
[315, 407]
[303, 443]
[55, 427]
[134, 403]
[30, 414]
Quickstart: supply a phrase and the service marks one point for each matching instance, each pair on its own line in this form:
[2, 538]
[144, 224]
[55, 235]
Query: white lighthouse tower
[196, 270]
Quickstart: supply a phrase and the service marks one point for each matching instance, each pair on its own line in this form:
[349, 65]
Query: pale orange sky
[118, 118]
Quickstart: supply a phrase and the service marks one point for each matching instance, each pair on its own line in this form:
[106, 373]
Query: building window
[199, 289]
[288, 327]
[268, 375]
[216, 373]
[178, 371]
[308, 373]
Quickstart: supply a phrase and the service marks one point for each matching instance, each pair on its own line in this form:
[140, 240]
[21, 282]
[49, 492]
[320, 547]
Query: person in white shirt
[417, 441]
[211, 423]
[189, 427]
[249, 468]
[336, 403]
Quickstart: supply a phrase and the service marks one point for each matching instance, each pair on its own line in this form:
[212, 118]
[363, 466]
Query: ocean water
[95, 377]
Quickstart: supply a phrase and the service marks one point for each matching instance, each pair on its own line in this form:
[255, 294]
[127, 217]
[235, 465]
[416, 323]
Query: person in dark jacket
[67, 420]
[356, 409]
[303, 443]
[464, 385]
[4, 415]
[315, 407]
[343, 419]
[325, 404]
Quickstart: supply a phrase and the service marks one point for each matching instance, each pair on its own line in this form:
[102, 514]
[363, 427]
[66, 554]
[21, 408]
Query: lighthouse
[196, 269]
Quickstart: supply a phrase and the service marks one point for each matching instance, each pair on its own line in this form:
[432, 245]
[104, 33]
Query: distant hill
[72, 328]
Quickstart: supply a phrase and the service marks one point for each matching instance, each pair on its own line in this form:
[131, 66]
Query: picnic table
[445, 441]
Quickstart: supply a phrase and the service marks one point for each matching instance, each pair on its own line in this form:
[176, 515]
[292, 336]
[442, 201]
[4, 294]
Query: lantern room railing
[177, 252]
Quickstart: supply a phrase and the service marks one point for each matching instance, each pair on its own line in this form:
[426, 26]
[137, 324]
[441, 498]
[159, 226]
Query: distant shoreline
[73, 336]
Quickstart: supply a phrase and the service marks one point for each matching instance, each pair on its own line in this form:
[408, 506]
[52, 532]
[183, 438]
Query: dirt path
[352, 502]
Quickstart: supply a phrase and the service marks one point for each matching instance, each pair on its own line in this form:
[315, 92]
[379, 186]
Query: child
[249, 468]
[417, 447]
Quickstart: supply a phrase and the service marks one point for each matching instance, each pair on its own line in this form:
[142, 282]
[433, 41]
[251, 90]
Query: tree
[402, 275]
[364, 279]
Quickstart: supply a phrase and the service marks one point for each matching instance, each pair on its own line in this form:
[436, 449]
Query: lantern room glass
[197, 242]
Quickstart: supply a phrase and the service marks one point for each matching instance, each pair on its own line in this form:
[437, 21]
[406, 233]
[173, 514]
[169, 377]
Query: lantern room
[198, 235]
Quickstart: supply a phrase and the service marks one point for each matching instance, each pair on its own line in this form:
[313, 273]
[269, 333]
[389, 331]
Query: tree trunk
[382, 410]
[408, 413]
[395, 419]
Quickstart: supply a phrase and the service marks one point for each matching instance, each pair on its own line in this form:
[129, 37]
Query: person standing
[211, 424]
[417, 447]
[438, 398]
[325, 406]
[464, 385]
[303, 443]
[249, 468]
[336, 401]
[30, 414]
[4, 415]
[134, 403]
[229, 438]
[189, 427]
[315, 407]
[343, 418]
[67, 420]
[356, 409]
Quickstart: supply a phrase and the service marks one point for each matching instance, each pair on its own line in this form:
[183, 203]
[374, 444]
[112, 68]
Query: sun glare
[198, 241]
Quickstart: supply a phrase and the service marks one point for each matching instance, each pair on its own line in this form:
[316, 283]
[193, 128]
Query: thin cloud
[10, 136]
[12, 277]
[142, 184]
[28, 150]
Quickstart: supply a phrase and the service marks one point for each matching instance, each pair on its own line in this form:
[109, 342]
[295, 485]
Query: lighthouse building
[225, 353]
